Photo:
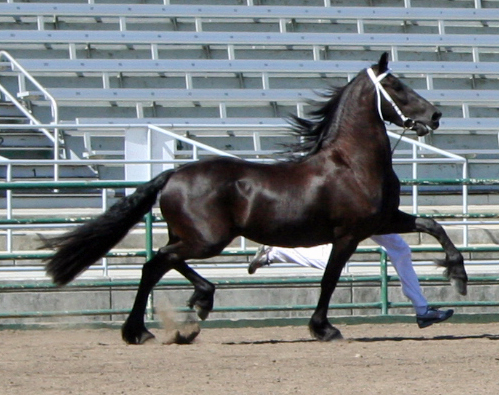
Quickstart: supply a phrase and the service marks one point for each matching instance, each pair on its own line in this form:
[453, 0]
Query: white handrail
[192, 142]
[457, 158]
[168, 129]
[173, 130]
[25, 112]
[55, 108]
[427, 146]
[54, 105]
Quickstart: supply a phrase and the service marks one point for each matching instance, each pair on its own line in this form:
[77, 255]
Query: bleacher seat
[212, 61]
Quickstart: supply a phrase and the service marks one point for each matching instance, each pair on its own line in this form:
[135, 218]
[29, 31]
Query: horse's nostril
[436, 116]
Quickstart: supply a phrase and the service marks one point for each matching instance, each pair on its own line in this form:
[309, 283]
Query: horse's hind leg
[167, 258]
[134, 330]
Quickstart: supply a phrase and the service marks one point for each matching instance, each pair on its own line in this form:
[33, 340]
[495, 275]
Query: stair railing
[54, 137]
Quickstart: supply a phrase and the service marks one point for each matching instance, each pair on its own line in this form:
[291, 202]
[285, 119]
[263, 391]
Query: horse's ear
[383, 63]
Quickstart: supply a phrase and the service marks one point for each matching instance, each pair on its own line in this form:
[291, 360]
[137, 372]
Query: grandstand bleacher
[210, 61]
[139, 59]
[115, 61]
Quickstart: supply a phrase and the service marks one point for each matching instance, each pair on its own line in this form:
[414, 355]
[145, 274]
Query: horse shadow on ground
[423, 338]
[372, 339]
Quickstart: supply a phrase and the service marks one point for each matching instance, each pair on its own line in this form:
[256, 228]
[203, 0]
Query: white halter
[408, 122]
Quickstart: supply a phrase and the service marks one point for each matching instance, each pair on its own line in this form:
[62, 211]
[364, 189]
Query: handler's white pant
[395, 246]
[400, 255]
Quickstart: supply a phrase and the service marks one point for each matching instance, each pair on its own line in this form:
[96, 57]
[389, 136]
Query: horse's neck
[361, 133]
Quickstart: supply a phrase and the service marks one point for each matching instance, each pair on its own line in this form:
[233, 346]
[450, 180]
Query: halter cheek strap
[408, 122]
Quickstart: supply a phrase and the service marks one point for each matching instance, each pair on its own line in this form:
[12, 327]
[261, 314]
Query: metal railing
[383, 279]
[24, 74]
[11, 224]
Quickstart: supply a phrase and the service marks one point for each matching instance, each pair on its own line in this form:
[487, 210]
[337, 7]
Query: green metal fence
[383, 279]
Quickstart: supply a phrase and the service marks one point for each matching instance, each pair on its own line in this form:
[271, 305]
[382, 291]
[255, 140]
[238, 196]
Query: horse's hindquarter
[219, 199]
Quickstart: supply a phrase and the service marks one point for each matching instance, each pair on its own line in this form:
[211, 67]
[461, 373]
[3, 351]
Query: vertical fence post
[465, 203]
[149, 255]
[104, 207]
[149, 242]
[384, 282]
[415, 189]
[9, 208]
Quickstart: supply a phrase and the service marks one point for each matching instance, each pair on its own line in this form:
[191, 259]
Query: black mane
[314, 130]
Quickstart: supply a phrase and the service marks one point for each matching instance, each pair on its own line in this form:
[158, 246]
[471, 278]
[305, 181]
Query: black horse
[341, 190]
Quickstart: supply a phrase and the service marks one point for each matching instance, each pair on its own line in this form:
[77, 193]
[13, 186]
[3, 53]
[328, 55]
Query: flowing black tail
[83, 246]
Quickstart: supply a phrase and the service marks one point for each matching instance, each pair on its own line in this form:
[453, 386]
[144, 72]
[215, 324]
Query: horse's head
[399, 104]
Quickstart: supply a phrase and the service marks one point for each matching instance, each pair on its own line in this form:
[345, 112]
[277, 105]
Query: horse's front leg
[319, 326]
[453, 262]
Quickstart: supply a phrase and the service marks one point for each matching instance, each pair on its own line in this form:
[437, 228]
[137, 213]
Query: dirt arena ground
[373, 359]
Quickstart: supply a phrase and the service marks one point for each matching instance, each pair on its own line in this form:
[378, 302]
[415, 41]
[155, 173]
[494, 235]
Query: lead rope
[407, 122]
[399, 139]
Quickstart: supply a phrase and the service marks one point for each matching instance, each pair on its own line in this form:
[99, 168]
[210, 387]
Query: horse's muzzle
[422, 128]
[435, 120]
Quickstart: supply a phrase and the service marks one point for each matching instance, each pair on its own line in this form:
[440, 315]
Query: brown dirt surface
[373, 359]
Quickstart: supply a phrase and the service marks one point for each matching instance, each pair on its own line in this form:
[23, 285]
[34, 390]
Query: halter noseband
[407, 122]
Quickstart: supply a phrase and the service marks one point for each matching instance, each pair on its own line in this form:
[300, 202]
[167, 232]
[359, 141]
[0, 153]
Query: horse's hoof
[145, 336]
[136, 337]
[325, 332]
[459, 285]
[185, 335]
[201, 312]
[458, 278]
[329, 336]
[202, 301]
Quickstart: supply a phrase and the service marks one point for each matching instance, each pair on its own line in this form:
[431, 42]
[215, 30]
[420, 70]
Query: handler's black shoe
[433, 316]
[260, 259]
